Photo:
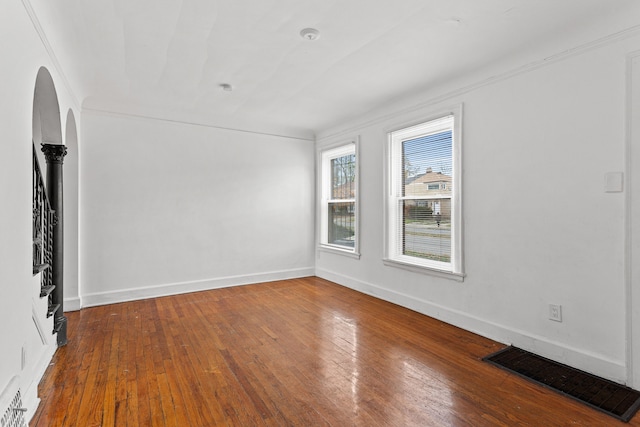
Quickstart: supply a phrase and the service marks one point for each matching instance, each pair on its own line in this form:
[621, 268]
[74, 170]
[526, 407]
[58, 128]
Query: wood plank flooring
[303, 352]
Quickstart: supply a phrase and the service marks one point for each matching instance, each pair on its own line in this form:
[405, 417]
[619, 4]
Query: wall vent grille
[13, 413]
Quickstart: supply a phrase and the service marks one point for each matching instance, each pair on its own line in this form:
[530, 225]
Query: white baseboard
[72, 304]
[132, 294]
[577, 358]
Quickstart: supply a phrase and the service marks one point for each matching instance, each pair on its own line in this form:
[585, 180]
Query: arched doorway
[48, 215]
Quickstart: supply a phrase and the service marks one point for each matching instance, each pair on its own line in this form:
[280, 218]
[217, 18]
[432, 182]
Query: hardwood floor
[302, 352]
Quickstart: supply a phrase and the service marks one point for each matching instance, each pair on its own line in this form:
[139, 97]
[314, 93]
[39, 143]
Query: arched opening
[46, 114]
[48, 215]
[71, 220]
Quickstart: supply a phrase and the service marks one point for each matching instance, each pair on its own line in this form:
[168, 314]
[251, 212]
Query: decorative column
[54, 153]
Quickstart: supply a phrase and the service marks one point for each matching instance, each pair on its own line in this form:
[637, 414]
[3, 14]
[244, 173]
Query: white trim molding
[145, 292]
[129, 115]
[391, 111]
[72, 304]
[576, 357]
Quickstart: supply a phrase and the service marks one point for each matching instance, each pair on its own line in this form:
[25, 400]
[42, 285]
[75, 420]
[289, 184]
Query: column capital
[54, 153]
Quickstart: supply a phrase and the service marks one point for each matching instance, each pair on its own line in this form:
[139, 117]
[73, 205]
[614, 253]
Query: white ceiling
[167, 58]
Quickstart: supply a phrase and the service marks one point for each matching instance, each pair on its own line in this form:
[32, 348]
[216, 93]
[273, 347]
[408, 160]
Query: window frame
[395, 135]
[325, 155]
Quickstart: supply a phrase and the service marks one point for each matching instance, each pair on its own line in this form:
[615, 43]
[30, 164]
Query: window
[338, 216]
[423, 217]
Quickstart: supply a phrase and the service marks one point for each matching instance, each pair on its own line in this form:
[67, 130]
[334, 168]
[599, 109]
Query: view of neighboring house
[435, 187]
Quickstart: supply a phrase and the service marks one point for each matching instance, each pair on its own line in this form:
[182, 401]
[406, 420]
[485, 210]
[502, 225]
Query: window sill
[458, 277]
[339, 251]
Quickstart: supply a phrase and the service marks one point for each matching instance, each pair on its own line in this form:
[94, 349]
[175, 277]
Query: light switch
[613, 182]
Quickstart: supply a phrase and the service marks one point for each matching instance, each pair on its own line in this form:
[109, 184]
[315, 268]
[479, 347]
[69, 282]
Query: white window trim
[351, 145]
[456, 271]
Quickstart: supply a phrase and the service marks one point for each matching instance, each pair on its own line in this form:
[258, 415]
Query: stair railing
[44, 219]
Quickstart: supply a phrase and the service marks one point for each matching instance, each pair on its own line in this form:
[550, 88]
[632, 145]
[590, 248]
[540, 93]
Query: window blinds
[422, 189]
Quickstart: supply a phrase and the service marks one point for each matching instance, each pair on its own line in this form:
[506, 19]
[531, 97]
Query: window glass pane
[342, 224]
[427, 165]
[343, 172]
[426, 229]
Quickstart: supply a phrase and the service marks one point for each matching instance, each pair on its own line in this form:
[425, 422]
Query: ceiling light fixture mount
[226, 87]
[310, 34]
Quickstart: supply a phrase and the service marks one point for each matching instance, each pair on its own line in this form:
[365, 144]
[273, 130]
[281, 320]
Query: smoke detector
[310, 34]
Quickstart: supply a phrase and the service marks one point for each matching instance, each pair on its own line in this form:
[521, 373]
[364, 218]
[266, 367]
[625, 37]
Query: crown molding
[121, 114]
[355, 126]
[52, 56]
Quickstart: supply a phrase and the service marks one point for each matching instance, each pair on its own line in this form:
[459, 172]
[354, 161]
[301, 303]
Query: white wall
[22, 53]
[538, 226]
[169, 207]
[71, 213]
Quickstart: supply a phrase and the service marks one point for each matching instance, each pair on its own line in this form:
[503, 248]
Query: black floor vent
[606, 396]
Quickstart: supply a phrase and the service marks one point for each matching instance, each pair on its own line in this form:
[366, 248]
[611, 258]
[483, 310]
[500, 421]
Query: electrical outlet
[555, 312]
